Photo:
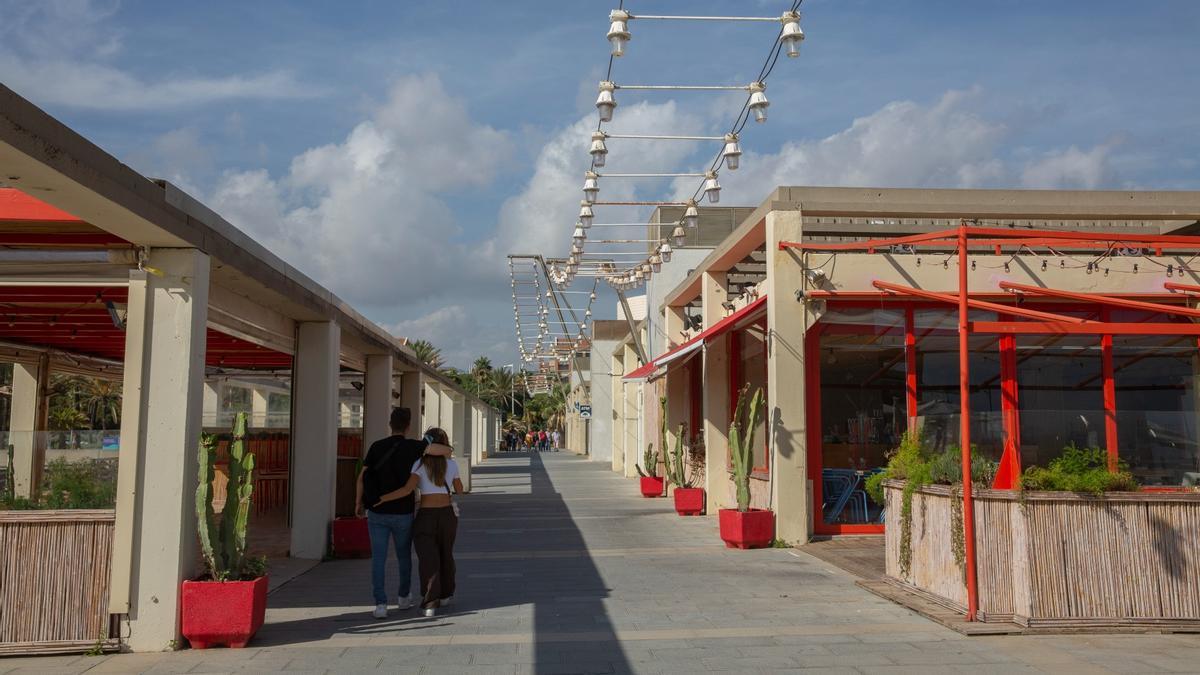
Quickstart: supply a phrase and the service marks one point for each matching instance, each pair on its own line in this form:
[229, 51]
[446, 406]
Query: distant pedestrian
[529, 440]
[543, 440]
[436, 525]
[556, 438]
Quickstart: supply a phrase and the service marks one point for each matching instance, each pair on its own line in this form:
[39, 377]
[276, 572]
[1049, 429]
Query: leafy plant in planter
[1079, 470]
[745, 527]
[917, 467]
[228, 605]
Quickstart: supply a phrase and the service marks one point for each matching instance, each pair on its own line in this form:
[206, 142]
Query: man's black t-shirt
[394, 474]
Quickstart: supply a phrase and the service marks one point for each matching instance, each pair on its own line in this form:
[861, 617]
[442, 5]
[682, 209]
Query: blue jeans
[399, 527]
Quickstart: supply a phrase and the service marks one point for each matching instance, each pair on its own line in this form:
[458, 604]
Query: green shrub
[1079, 470]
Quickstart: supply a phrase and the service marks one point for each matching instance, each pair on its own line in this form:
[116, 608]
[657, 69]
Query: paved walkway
[563, 568]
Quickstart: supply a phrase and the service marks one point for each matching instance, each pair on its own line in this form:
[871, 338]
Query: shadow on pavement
[517, 547]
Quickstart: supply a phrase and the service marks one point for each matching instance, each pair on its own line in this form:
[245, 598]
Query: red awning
[646, 372]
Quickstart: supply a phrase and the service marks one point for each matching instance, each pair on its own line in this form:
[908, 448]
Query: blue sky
[397, 151]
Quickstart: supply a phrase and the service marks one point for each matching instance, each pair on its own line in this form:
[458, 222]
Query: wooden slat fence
[54, 575]
[1061, 559]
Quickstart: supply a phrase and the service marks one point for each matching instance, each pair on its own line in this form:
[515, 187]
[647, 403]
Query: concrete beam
[28, 423]
[716, 401]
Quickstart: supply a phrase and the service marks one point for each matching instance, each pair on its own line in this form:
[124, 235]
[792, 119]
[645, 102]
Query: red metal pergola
[1036, 322]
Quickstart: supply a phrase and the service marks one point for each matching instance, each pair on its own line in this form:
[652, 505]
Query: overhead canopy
[650, 370]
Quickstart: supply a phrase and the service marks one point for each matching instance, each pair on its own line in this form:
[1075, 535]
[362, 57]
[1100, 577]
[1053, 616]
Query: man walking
[386, 468]
[556, 438]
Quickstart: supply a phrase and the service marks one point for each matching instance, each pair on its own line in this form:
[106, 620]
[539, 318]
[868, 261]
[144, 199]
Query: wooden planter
[54, 569]
[1059, 559]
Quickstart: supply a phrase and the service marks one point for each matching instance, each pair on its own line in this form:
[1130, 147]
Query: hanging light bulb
[592, 296]
[656, 262]
[599, 150]
[758, 101]
[711, 187]
[691, 216]
[576, 248]
[618, 31]
[678, 235]
[579, 235]
[732, 152]
[664, 252]
[591, 185]
[605, 102]
[792, 35]
[639, 275]
[588, 312]
[585, 214]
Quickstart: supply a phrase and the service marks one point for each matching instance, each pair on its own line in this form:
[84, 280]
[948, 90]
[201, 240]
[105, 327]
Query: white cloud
[541, 217]
[458, 332]
[367, 216]
[1070, 168]
[59, 53]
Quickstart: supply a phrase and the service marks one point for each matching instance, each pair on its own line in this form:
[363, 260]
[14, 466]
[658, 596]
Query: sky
[397, 152]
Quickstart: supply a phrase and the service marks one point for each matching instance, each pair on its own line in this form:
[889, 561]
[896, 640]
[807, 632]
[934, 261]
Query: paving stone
[563, 568]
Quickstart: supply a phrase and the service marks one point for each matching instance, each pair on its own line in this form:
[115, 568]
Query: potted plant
[226, 606]
[689, 501]
[350, 536]
[652, 484]
[745, 527]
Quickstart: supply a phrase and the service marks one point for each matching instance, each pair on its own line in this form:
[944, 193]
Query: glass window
[938, 404]
[1061, 396]
[1155, 380]
[863, 406]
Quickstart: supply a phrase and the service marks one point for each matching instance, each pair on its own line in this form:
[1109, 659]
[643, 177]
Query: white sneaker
[445, 602]
[404, 602]
[430, 611]
[380, 612]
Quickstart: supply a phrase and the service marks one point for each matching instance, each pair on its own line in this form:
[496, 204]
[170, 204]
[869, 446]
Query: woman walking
[436, 523]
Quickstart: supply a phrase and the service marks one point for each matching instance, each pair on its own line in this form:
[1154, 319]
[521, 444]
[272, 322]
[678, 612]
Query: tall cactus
[741, 442]
[649, 467]
[677, 472]
[206, 518]
[224, 547]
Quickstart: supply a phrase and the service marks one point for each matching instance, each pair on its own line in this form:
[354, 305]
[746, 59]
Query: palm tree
[425, 351]
[102, 401]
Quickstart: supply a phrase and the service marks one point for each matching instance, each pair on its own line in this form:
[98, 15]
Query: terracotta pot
[223, 612]
[750, 529]
[652, 487]
[689, 501]
[351, 538]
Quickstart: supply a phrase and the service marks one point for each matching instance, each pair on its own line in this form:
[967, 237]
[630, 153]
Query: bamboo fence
[1058, 559]
[54, 575]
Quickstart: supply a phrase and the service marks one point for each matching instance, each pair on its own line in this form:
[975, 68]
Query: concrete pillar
[27, 423]
[314, 436]
[632, 395]
[716, 397]
[674, 323]
[617, 410]
[259, 399]
[411, 388]
[211, 413]
[432, 416]
[377, 398]
[154, 541]
[785, 415]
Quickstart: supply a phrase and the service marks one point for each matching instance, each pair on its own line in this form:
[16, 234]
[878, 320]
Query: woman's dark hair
[436, 466]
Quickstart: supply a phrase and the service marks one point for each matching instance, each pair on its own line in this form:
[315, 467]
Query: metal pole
[964, 394]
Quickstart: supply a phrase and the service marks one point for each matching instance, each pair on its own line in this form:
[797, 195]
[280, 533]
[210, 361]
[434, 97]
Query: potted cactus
[689, 500]
[652, 484]
[745, 527]
[227, 605]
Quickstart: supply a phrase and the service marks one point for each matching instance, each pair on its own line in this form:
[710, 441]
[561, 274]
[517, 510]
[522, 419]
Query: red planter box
[223, 612]
[652, 487]
[689, 501]
[351, 538]
[753, 529]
